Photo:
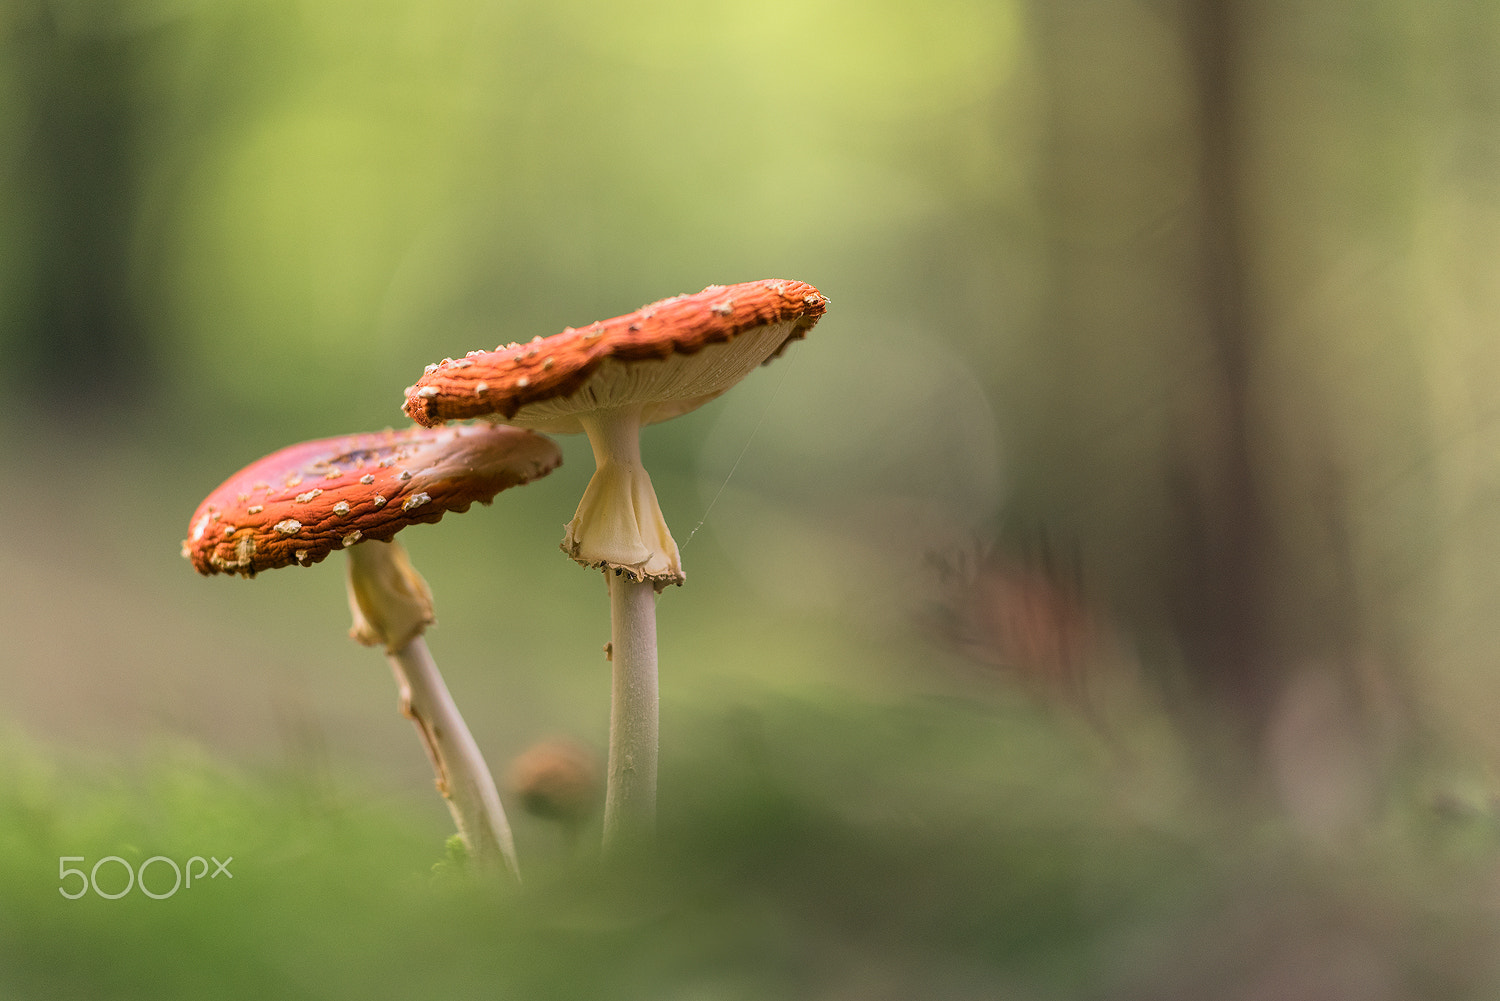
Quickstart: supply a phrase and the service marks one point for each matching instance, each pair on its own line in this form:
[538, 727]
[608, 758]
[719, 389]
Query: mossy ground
[810, 848]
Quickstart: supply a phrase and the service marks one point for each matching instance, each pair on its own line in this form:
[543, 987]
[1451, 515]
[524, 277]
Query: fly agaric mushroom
[356, 492]
[607, 380]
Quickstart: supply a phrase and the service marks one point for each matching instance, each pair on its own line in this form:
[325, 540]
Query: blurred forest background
[1145, 469]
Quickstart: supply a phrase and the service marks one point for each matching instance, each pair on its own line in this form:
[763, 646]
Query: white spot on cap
[548, 362]
[333, 474]
[427, 392]
[480, 388]
[367, 479]
[522, 382]
[293, 480]
[387, 462]
[255, 509]
[722, 308]
[430, 369]
[302, 556]
[352, 538]
[290, 526]
[200, 528]
[304, 498]
[404, 475]
[415, 500]
[462, 363]
[341, 508]
[379, 500]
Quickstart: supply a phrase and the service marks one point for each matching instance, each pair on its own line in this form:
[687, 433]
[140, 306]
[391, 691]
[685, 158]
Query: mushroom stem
[461, 774]
[619, 525]
[392, 606]
[630, 799]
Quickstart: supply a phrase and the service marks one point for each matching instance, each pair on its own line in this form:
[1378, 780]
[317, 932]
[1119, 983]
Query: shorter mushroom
[298, 505]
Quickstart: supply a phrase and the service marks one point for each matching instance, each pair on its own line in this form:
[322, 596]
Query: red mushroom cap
[504, 381]
[303, 502]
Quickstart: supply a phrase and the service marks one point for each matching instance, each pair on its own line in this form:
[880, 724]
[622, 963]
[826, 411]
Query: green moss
[808, 848]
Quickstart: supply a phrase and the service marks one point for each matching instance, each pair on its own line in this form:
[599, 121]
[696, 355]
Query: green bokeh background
[228, 226]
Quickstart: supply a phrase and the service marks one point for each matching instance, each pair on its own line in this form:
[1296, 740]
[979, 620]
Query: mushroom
[557, 780]
[298, 505]
[607, 380]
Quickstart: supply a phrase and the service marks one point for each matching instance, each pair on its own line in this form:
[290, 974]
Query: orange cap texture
[303, 502]
[500, 383]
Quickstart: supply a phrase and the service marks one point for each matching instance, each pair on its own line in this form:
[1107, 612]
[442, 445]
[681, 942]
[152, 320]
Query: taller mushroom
[608, 380]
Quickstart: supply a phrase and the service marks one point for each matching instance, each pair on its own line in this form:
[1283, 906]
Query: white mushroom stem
[620, 528]
[461, 774]
[630, 799]
[392, 606]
